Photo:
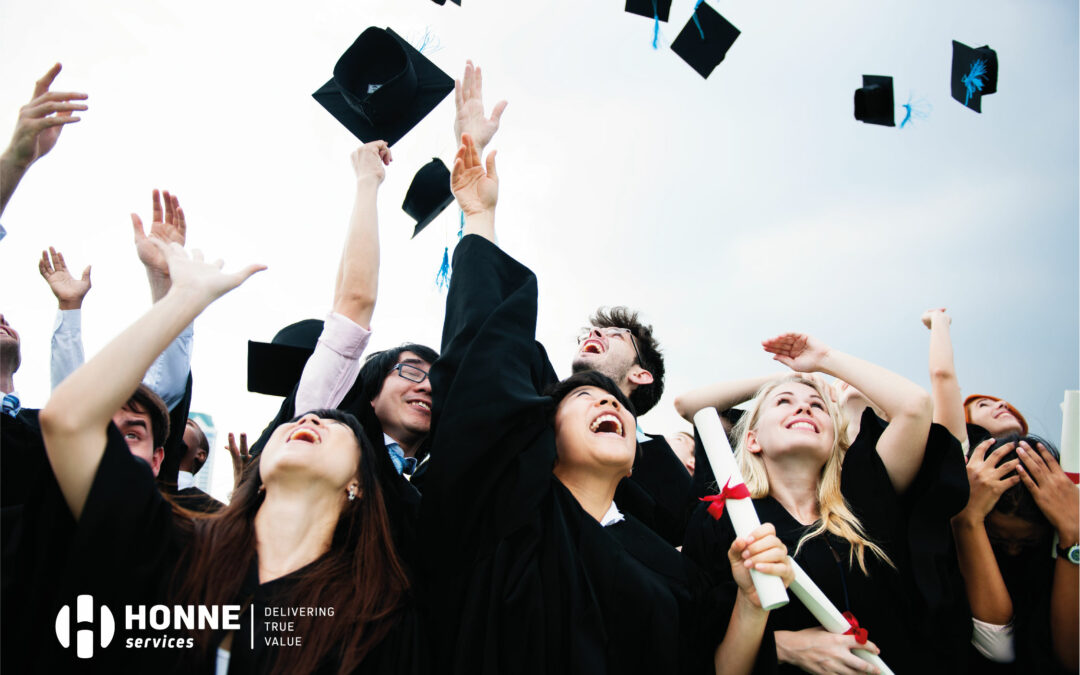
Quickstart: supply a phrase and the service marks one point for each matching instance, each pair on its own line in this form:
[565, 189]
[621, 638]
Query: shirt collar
[641, 437]
[184, 480]
[613, 515]
[403, 464]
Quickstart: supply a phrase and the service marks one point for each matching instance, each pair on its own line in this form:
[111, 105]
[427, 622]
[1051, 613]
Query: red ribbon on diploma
[859, 633]
[716, 502]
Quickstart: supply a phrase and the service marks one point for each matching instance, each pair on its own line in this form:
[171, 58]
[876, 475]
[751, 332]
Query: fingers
[979, 453]
[246, 273]
[1031, 463]
[58, 260]
[491, 165]
[86, 274]
[244, 447]
[170, 207]
[1005, 468]
[48, 107]
[995, 456]
[42, 85]
[157, 207]
[458, 100]
[181, 223]
[384, 152]
[496, 113]
[44, 267]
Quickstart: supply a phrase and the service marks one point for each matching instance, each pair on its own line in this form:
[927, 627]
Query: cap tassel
[656, 25]
[915, 110]
[973, 81]
[696, 21]
[442, 279]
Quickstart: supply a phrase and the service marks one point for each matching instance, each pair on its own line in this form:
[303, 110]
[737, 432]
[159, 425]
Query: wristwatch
[1072, 554]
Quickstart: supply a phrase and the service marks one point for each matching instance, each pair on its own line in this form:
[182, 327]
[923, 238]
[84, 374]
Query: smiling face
[994, 416]
[312, 450]
[136, 426]
[403, 406]
[794, 420]
[594, 433]
[608, 351]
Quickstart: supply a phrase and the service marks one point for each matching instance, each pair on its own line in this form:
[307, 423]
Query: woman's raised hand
[476, 190]
[798, 351]
[193, 274]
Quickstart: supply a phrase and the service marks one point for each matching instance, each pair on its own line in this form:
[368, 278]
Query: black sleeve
[865, 483]
[488, 408]
[174, 444]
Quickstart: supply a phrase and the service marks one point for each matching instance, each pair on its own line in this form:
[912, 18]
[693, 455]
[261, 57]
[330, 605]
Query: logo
[84, 626]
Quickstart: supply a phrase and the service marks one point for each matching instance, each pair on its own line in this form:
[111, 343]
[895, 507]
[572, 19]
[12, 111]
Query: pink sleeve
[333, 367]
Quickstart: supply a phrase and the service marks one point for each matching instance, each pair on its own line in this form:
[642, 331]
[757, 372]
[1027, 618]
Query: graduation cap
[974, 74]
[382, 87]
[275, 367]
[428, 194]
[874, 101]
[705, 39]
[443, 2]
[654, 9]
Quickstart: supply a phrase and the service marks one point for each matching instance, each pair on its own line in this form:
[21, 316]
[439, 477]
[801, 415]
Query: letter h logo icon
[84, 626]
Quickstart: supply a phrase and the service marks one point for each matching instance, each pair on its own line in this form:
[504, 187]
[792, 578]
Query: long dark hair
[361, 576]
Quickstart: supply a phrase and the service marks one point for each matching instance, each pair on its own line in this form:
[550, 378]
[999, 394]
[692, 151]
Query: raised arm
[67, 347]
[476, 189]
[37, 130]
[721, 395]
[469, 102]
[903, 443]
[74, 421]
[332, 369]
[944, 387]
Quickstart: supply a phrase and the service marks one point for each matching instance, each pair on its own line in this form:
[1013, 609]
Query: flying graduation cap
[705, 39]
[428, 194]
[275, 367]
[443, 2]
[974, 74]
[382, 87]
[874, 101]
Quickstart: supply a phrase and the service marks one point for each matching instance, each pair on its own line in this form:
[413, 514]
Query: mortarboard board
[974, 74]
[874, 101]
[443, 2]
[658, 9]
[382, 87]
[705, 39]
[275, 367]
[428, 194]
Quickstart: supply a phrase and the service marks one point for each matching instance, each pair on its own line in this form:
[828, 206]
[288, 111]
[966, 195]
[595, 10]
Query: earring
[352, 493]
[262, 490]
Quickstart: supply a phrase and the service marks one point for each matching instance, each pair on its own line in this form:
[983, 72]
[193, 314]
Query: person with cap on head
[1023, 603]
[518, 517]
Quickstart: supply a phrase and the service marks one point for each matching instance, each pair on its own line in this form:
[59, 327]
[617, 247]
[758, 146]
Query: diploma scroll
[770, 589]
[824, 611]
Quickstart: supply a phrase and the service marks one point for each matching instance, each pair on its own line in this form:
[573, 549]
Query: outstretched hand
[68, 290]
[798, 351]
[469, 101]
[42, 119]
[476, 190]
[370, 159]
[168, 226]
[192, 274]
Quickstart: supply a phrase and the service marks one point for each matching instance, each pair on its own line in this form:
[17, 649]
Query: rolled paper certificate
[1070, 435]
[830, 617]
[770, 589]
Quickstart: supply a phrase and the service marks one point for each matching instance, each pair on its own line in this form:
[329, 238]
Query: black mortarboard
[382, 87]
[974, 74]
[428, 194]
[705, 39]
[658, 9]
[443, 2]
[874, 101]
[275, 367]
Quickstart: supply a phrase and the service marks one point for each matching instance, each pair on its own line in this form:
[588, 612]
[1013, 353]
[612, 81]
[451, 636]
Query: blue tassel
[973, 81]
[907, 114]
[461, 227]
[428, 43]
[915, 110]
[696, 22]
[442, 279]
[656, 25]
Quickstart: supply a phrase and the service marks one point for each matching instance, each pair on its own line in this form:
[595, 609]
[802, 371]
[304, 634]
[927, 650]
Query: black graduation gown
[890, 602]
[658, 491]
[194, 499]
[521, 579]
[124, 551]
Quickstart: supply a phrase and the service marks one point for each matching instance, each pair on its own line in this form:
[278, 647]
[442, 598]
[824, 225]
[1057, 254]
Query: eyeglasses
[609, 333]
[410, 373]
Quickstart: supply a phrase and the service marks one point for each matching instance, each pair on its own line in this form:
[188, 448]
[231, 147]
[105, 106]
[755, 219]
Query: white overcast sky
[727, 210]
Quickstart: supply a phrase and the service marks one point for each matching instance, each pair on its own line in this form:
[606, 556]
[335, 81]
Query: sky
[727, 209]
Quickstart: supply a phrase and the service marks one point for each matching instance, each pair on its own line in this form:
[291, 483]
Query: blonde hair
[836, 516]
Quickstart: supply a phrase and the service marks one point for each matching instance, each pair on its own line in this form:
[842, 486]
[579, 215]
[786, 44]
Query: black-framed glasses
[410, 372]
[611, 332]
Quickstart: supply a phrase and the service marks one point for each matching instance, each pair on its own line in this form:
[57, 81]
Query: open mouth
[304, 434]
[421, 405]
[803, 424]
[592, 347]
[607, 424]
